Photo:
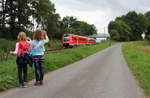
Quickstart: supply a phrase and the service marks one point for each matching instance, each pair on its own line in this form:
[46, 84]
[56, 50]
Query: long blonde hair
[21, 36]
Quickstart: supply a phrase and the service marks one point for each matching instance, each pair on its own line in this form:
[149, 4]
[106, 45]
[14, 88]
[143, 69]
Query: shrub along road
[102, 75]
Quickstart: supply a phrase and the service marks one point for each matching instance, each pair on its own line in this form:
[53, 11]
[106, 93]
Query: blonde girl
[21, 66]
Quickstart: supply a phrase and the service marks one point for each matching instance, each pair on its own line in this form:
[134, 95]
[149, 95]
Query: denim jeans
[22, 70]
[39, 67]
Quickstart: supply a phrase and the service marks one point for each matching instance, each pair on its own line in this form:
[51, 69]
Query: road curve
[102, 75]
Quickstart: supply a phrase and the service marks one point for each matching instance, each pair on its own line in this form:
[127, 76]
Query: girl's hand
[28, 39]
[11, 52]
[44, 33]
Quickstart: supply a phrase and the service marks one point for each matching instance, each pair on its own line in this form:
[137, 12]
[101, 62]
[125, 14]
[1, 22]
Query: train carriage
[70, 40]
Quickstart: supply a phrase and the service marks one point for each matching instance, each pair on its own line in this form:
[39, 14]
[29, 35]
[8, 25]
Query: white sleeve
[31, 45]
[29, 41]
[46, 40]
[16, 49]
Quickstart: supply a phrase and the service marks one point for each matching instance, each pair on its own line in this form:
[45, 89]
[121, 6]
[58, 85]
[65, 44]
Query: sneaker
[22, 86]
[25, 83]
[37, 83]
[41, 82]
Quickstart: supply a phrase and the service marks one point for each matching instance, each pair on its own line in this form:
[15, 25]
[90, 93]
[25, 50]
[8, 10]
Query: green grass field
[53, 61]
[137, 55]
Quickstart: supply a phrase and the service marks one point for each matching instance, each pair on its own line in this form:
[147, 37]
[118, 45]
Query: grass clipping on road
[8, 69]
[137, 55]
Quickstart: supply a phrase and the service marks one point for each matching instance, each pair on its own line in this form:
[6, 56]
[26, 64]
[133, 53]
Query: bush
[54, 44]
[5, 47]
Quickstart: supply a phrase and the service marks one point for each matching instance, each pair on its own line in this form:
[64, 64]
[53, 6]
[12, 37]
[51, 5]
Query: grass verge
[137, 55]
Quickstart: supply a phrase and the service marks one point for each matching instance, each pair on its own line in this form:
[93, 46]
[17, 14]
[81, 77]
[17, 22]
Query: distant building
[100, 37]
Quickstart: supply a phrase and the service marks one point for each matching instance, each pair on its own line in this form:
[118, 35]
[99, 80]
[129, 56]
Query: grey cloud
[112, 8]
[117, 6]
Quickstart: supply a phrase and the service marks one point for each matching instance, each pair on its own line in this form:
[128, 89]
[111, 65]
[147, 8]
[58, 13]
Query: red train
[70, 40]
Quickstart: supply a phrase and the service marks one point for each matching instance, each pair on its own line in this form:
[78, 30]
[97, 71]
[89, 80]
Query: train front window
[66, 35]
[66, 39]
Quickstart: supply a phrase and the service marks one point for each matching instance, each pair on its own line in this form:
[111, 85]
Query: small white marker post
[143, 35]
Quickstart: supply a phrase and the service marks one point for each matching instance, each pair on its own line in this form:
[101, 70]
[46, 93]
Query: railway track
[55, 50]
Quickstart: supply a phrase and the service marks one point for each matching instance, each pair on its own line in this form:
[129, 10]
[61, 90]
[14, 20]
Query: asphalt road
[102, 75]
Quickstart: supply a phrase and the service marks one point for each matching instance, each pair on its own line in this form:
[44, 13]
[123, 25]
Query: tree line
[27, 15]
[130, 27]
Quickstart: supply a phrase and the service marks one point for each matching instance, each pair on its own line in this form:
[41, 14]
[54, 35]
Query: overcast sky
[99, 12]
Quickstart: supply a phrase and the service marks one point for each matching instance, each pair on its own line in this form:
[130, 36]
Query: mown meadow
[137, 55]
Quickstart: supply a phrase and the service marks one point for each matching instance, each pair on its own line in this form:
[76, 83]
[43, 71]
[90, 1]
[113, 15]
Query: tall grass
[5, 47]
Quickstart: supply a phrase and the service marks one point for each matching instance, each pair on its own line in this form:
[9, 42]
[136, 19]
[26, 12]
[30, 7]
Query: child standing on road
[21, 46]
[37, 50]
